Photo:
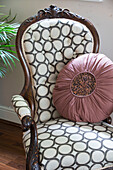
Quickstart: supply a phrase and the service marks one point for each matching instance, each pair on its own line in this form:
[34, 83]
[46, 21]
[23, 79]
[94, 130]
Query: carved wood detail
[32, 161]
[55, 12]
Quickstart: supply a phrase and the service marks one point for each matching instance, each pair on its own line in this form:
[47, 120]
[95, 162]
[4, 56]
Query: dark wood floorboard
[12, 156]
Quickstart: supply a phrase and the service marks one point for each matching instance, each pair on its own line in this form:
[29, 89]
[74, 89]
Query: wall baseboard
[7, 113]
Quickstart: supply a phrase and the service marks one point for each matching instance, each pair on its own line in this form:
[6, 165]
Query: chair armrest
[24, 113]
[21, 106]
[26, 123]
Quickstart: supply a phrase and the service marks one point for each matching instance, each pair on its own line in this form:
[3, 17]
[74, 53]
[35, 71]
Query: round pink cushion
[84, 89]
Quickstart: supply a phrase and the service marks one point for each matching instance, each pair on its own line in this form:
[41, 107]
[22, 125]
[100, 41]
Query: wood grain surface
[12, 156]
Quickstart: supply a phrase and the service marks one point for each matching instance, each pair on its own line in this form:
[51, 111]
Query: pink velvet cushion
[84, 89]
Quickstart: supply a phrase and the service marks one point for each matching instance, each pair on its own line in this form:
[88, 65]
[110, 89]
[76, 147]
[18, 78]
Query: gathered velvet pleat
[94, 107]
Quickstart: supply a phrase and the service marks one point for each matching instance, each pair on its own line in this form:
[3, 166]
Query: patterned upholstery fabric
[68, 145]
[49, 44]
[21, 106]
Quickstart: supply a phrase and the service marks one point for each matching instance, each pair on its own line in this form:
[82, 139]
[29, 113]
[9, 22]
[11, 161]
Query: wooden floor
[12, 155]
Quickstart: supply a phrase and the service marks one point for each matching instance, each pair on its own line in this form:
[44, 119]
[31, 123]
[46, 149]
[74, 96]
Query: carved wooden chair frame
[32, 161]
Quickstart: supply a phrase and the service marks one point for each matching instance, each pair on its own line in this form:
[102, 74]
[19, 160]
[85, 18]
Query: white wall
[100, 14]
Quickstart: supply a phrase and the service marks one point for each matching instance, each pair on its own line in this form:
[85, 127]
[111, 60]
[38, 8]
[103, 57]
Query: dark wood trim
[108, 120]
[10, 123]
[32, 160]
[33, 157]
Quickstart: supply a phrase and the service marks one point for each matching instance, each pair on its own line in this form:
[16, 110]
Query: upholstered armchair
[45, 43]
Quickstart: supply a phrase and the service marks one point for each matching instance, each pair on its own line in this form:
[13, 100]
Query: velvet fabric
[93, 107]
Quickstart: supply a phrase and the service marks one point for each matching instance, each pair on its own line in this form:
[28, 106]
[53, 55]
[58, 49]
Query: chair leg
[31, 166]
[32, 161]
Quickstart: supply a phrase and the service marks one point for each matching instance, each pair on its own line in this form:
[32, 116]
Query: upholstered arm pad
[21, 106]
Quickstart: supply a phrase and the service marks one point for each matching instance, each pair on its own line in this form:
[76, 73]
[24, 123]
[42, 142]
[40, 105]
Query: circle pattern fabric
[50, 44]
[84, 89]
[65, 144]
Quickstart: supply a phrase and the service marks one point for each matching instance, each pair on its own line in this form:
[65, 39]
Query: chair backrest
[45, 43]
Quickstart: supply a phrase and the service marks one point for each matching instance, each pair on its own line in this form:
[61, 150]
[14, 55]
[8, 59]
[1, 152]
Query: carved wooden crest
[54, 12]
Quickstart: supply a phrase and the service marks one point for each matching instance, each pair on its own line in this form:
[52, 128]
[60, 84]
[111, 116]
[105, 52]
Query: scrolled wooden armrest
[33, 159]
[26, 122]
[24, 113]
[33, 154]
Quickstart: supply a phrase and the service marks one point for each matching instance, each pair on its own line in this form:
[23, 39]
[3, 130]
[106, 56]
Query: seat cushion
[68, 145]
[84, 89]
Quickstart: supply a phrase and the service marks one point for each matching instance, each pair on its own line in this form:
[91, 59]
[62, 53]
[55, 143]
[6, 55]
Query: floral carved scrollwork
[54, 11]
